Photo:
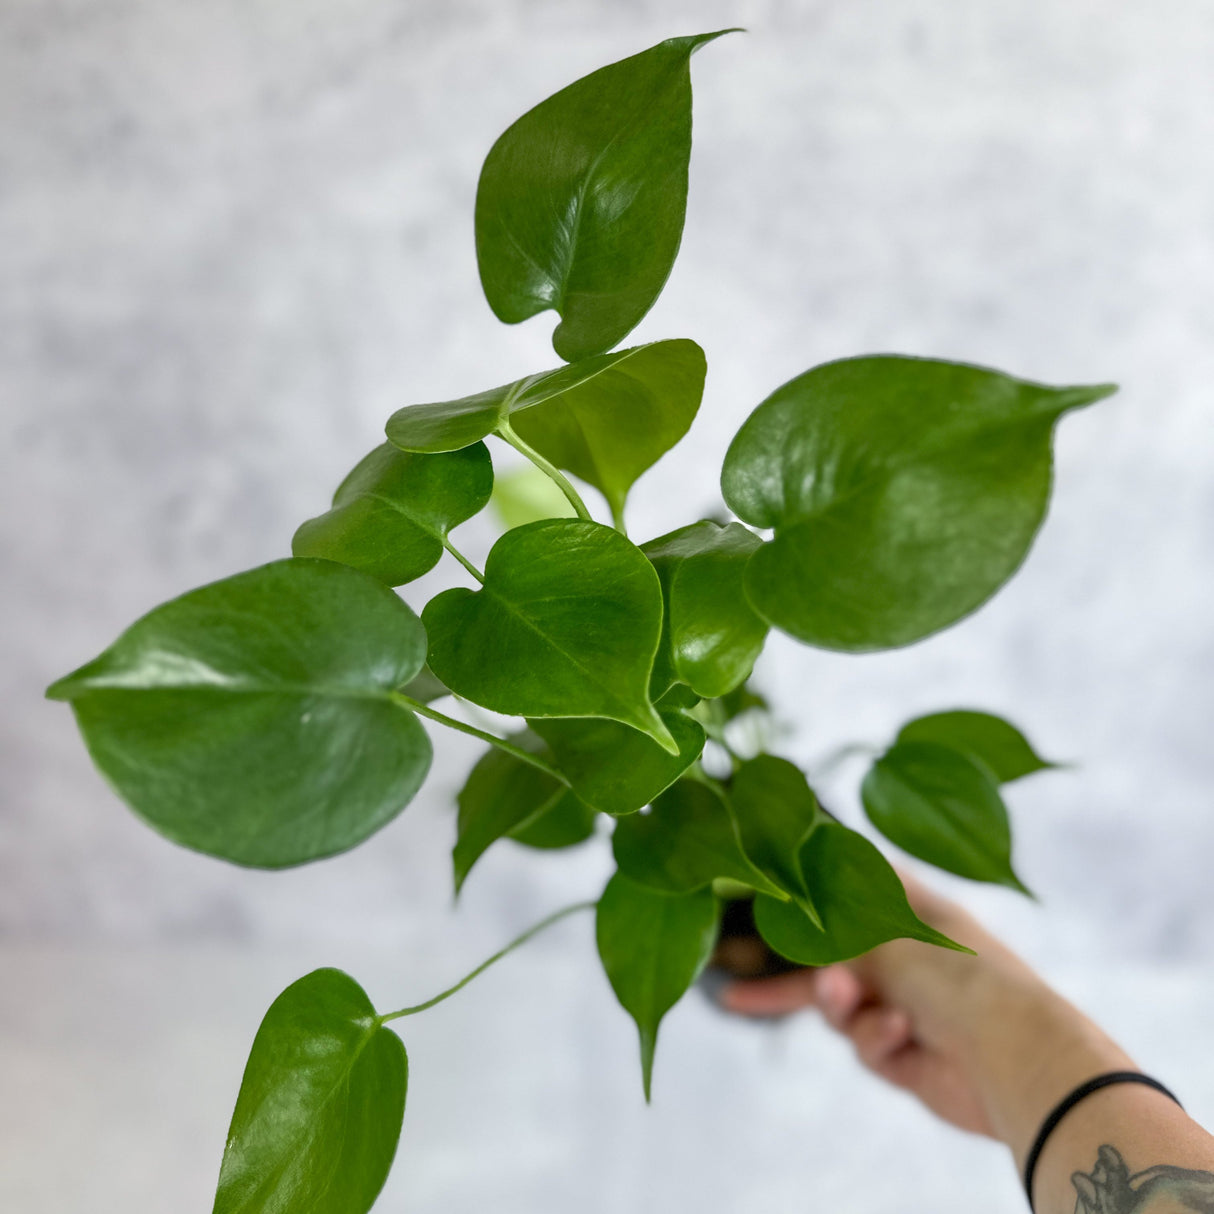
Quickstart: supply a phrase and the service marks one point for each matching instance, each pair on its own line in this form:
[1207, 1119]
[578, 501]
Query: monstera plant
[276, 717]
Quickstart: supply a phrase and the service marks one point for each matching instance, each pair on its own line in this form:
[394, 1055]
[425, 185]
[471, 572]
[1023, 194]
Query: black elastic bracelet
[1067, 1103]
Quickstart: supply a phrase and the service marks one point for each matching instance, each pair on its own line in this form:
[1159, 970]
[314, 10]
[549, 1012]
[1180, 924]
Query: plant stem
[505, 431]
[463, 560]
[480, 969]
[525, 756]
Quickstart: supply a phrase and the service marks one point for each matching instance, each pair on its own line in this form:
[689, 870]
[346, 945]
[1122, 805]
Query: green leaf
[942, 806]
[566, 625]
[859, 898]
[581, 202]
[685, 842]
[776, 811]
[653, 947]
[565, 823]
[526, 495]
[425, 687]
[320, 1106]
[903, 492]
[994, 742]
[391, 515]
[712, 633]
[615, 768]
[251, 719]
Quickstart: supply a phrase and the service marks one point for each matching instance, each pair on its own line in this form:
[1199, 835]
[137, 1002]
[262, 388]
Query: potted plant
[276, 717]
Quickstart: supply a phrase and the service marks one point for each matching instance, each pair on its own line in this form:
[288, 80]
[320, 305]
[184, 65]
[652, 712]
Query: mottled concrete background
[235, 235]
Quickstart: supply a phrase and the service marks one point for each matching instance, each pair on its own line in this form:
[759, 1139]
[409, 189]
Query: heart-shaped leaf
[653, 947]
[566, 625]
[994, 742]
[859, 898]
[942, 806]
[685, 842]
[251, 719]
[320, 1106]
[903, 492]
[581, 202]
[712, 633]
[391, 515]
[615, 768]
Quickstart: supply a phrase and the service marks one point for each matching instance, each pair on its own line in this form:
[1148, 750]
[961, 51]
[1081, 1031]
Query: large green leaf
[994, 742]
[903, 492]
[941, 805]
[580, 204]
[653, 947]
[614, 767]
[685, 842]
[566, 625]
[391, 515]
[712, 633]
[859, 899]
[320, 1106]
[251, 719]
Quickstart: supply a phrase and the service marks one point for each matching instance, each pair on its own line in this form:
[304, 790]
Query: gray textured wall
[235, 235]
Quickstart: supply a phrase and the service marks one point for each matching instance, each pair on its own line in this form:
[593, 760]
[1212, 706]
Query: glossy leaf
[859, 898]
[994, 742]
[581, 202]
[526, 495]
[391, 515]
[566, 625]
[685, 842]
[614, 767]
[944, 807]
[903, 492]
[251, 719]
[565, 823]
[653, 947]
[320, 1106]
[712, 633]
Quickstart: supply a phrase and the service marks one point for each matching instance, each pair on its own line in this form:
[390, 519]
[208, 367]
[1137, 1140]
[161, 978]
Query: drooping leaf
[614, 767]
[994, 742]
[776, 810]
[712, 633]
[566, 625]
[685, 842]
[580, 203]
[859, 899]
[944, 807]
[250, 719]
[903, 492]
[391, 515]
[653, 947]
[565, 823]
[526, 495]
[320, 1106]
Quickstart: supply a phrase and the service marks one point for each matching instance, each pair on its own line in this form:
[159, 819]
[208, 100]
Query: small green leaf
[526, 495]
[712, 633]
[251, 719]
[320, 1106]
[615, 768]
[565, 823]
[391, 515]
[581, 202]
[685, 842]
[776, 811]
[859, 898]
[994, 742]
[566, 625]
[942, 806]
[903, 492]
[653, 947]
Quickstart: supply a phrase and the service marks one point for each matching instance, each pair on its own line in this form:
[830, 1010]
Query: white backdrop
[236, 234]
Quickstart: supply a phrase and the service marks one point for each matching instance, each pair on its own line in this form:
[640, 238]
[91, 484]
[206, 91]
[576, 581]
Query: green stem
[548, 469]
[480, 969]
[525, 756]
[617, 519]
[463, 560]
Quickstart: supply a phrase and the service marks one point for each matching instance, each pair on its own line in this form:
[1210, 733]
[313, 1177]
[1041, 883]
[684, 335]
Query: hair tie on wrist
[1067, 1103]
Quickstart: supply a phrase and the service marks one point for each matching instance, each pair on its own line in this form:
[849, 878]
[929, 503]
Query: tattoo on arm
[1110, 1189]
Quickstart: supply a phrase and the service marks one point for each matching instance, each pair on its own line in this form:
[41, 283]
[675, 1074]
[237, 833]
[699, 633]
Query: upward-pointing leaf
[996, 743]
[320, 1106]
[251, 719]
[566, 625]
[580, 204]
[903, 492]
